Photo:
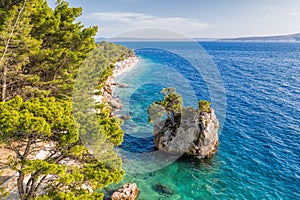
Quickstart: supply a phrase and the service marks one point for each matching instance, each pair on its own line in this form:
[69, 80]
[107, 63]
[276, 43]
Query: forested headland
[41, 52]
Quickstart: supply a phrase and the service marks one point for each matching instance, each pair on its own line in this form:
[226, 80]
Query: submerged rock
[194, 134]
[125, 117]
[162, 189]
[119, 85]
[129, 191]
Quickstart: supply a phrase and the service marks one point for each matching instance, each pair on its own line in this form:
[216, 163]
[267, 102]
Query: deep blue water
[259, 151]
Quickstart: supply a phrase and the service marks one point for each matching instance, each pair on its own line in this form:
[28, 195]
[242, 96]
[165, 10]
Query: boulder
[129, 191]
[194, 134]
[115, 104]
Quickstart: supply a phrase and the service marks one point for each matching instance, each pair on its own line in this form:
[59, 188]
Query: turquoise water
[258, 155]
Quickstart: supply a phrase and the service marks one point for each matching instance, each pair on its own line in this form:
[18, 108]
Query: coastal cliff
[196, 134]
[186, 130]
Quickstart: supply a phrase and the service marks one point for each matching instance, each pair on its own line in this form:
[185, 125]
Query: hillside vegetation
[41, 52]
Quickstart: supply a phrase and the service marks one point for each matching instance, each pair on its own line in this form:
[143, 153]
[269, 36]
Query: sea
[254, 88]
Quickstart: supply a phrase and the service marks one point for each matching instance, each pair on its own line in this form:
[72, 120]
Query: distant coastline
[278, 38]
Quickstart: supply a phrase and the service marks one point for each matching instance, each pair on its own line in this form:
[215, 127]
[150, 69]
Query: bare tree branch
[4, 79]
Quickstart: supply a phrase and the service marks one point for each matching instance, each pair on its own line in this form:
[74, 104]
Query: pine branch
[4, 79]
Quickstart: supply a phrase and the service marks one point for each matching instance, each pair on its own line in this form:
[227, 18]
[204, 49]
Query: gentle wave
[258, 156]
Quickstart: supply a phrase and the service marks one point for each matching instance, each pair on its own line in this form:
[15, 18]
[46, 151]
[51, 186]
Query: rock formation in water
[162, 189]
[128, 192]
[195, 133]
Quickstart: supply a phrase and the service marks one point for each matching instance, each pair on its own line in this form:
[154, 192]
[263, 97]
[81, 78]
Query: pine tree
[171, 105]
[67, 170]
[63, 50]
[41, 52]
[16, 47]
[41, 49]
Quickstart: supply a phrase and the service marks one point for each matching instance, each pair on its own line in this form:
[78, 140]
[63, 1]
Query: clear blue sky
[194, 18]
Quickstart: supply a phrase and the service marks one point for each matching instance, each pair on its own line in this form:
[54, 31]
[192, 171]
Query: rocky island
[186, 130]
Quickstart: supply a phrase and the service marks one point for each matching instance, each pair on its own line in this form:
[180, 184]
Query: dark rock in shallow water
[125, 117]
[129, 191]
[119, 85]
[161, 189]
[195, 134]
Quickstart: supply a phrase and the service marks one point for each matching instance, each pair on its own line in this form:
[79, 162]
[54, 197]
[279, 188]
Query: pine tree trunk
[20, 184]
[4, 84]
[171, 117]
[31, 192]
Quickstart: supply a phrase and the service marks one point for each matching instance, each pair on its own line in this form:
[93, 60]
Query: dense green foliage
[110, 124]
[172, 105]
[48, 124]
[204, 106]
[41, 53]
[41, 49]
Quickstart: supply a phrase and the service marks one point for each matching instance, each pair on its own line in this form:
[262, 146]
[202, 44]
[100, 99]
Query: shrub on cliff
[171, 105]
[204, 106]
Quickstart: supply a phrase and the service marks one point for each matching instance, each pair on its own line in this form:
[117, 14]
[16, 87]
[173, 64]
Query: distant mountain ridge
[132, 39]
[290, 38]
[278, 38]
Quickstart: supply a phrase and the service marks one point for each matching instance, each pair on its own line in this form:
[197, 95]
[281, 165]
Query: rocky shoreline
[130, 190]
[8, 181]
[107, 91]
